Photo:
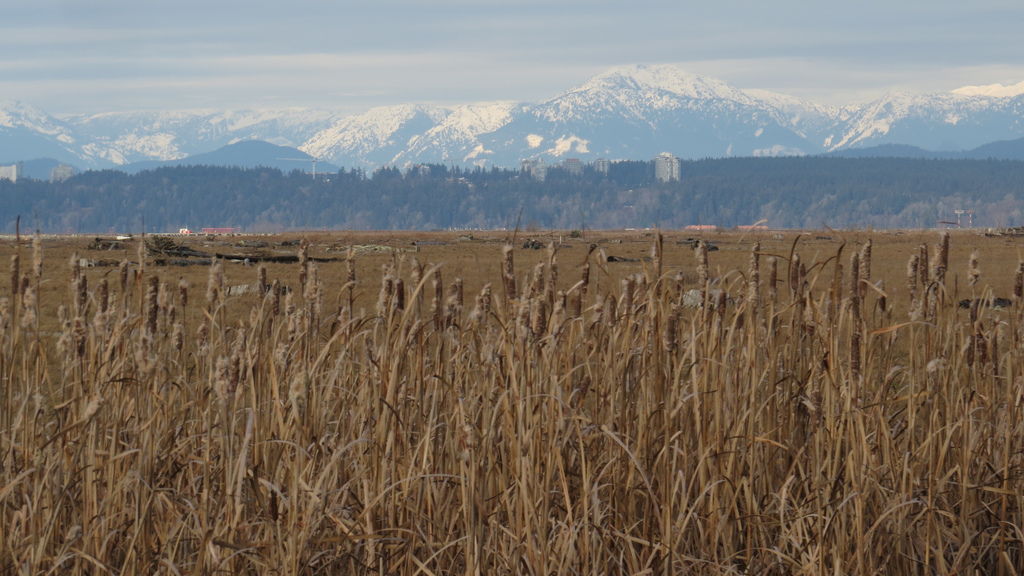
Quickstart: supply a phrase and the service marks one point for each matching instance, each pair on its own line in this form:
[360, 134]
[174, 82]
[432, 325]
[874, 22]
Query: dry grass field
[436, 403]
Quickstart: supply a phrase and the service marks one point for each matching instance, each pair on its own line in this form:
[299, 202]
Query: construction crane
[312, 159]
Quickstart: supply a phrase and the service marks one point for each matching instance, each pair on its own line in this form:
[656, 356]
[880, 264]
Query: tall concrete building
[667, 168]
[602, 166]
[61, 172]
[573, 166]
[10, 172]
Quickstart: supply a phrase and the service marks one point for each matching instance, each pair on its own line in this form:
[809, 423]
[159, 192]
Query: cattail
[103, 296]
[1018, 282]
[773, 278]
[912, 277]
[551, 286]
[795, 280]
[628, 290]
[973, 273]
[941, 261]
[864, 272]
[483, 305]
[215, 284]
[670, 339]
[350, 277]
[883, 303]
[537, 280]
[152, 304]
[754, 279]
[912, 274]
[399, 294]
[303, 264]
[275, 297]
[458, 294]
[178, 336]
[436, 305]
[922, 266]
[79, 334]
[508, 272]
[37, 258]
[122, 270]
[28, 306]
[585, 279]
[854, 288]
[387, 292]
[15, 275]
[657, 252]
[702, 264]
[261, 279]
[182, 293]
[538, 317]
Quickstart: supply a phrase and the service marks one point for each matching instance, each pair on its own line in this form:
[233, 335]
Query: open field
[434, 403]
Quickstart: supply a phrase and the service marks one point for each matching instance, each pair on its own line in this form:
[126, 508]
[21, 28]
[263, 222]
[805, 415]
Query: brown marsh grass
[798, 404]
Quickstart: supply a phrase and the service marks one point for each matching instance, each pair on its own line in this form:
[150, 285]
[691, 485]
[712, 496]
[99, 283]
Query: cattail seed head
[702, 264]
[973, 272]
[1018, 282]
[215, 283]
[37, 257]
[261, 279]
[508, 272]
[864, 271]
[152, 304]
[941, 263]
[15, 275]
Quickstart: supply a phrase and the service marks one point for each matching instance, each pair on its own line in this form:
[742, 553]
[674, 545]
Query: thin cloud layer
[73, 57]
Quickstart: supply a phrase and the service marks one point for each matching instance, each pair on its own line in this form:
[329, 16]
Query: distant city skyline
[69, 57]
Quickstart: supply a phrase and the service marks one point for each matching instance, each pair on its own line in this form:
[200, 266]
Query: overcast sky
[77, 56]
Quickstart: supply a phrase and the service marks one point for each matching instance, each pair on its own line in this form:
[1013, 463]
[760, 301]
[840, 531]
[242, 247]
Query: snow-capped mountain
[630, 112]
[126, 137]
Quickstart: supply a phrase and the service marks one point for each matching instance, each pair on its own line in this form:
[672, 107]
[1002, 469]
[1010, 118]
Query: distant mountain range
[633, 112]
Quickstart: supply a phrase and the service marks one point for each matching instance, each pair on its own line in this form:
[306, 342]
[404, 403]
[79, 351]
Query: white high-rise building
[10, 172]
[667, 168]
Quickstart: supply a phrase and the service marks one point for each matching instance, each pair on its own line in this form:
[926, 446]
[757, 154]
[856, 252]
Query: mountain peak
[992, 90]
[661, 77]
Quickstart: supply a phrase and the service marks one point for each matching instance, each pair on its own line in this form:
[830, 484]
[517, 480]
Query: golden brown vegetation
[790, 415]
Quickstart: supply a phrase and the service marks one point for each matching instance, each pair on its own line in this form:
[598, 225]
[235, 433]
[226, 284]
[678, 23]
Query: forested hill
[807, 192]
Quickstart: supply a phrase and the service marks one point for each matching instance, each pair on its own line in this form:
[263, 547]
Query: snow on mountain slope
[455, 137]
[126, 137]
[374, 137]
[18, 115]
[945, 121]
[992, 90]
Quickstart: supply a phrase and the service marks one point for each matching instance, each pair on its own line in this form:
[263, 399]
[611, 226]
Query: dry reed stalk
[856, 323]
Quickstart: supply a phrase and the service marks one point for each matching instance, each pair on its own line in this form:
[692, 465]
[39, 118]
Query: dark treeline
[808, 192]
